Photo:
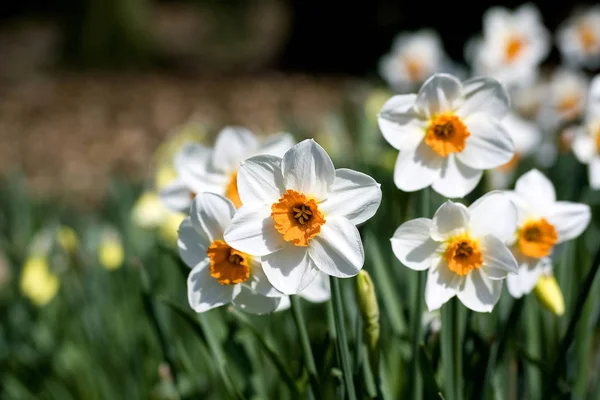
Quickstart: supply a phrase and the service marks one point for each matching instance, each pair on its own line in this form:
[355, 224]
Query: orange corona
[463, 255]
[227, 265]
[446, 134]
[537, 238]
[514, 47]
[232, 191]
[297, 218]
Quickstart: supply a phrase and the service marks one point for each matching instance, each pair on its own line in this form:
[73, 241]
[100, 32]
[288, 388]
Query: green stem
[567, 340]
[451, 350]
[457, 350]
[342, 339]
[308, 355]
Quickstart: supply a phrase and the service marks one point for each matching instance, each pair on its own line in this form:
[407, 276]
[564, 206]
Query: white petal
[569, 219]
[259, 282]
[252, 231]
[456, 179]
[498, 261]
[450, 219]
[337, 250]
[413, 245]
[308, 169]
[318, 291]
[488, 145]
[537, 190]
[399, 124]
[233, 145]
[484, 95]
[417, 169]
[524, 280]
[478, 292]
[176, 196]
[442, 285]
[259, 180]
[290, 270]
[584, 148]
[277, 145]
[192, 162]
[439, 93]
[192, 244]
[205, 292]
[594, 173]
[284, 304]
[354, 195]
[211, 214]
[255, 303]
[494, 214]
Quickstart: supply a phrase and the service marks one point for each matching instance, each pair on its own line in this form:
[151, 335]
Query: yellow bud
[369, 311]
[549, 294]
[38, 283]
[149, 211]
[110, 252]
[67, 238]
[170, 227]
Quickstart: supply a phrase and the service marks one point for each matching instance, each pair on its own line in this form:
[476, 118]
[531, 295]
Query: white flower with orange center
[447, 134]
[464, 249]
[542, 223]
[578, 39]
[200, 169]
[299, 214]
[566, 97]
[413, 58]
[513, 45]
[221, 274]
[586, 144]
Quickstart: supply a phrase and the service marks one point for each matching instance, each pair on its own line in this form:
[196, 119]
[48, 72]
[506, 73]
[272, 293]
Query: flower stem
[342, 339]
[308, 355]
[451, 344]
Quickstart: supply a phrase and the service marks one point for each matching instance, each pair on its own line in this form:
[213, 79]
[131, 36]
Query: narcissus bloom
[586, 144]
[221, 274]
[566, 98]
[447, 134]
[464, 250]
[414, 57]
[200, 169]
[579, 38]
[543, 223]
[300, 214]
[513, 45]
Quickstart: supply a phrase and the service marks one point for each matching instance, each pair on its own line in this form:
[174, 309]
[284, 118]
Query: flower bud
[67, 239]
[549, 294]
[37, 282]
[369, 311]
[110, 251]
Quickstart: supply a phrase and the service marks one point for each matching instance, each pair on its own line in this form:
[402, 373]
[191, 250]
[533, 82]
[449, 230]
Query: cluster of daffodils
[282, 227]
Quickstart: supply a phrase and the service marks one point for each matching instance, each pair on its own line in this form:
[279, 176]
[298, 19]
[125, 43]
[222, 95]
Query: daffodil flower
[586, 144]
[578, 39]
[565, 98]
[463, 249]
[221, 274]
[200, 169]
[512, 47]
[542, 223]
[447, 134]
[299, 214]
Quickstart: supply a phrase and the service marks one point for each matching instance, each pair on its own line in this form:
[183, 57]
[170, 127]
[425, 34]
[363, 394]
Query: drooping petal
[478, 292]
[233, 145]
[354, 195]
[255, 303]
[337, 250]
[205, 292]
[290, 269]
[211, 214]
[569, 219]
[524, 280]
[442, 284]
[498, 261]
[488, 145]
[191, 243]
[308, 169]
[456, 179]
[259, 180]
[450, 219]
[439, 93]
[484, 95]
[176, 196]
[277, 145]
[412, 244]
[399, 124]
[252, 231]
[537, 190]
[494, 214]
[259, 282]
[417, 169]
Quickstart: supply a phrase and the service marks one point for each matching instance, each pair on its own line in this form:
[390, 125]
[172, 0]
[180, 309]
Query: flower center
[463, 255]
[514, 47]
[537, 238]
[511, 165]
[192, 195]
[446, 134]
[587, 38]
[569, 105]
[228, 265]
[297, 218]
[232, 191]
[598, 141]
[414, 69]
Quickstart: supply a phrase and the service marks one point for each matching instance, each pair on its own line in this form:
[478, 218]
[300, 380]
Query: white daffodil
[464, 250]
[447, 134]
[579, 39]
[565, 99]
[526, 136]
[513, 45]
[586, 144]
[200, 169]
[221, 274]
[317, 292]
[300, 214]
[543, 223]
[413, 58]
